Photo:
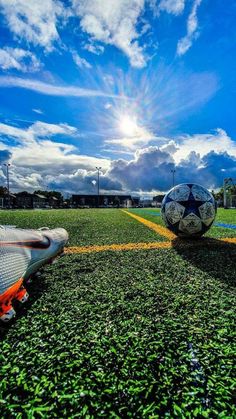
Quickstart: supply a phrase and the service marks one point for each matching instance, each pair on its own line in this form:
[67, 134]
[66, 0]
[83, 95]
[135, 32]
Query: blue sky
[136, 87]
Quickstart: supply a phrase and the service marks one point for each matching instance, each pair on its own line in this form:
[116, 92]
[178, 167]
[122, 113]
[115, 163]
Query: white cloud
[192, 30]
[37, 160]
[118, 23]
[94, 49]
[175, 7]
[52, 89]
[114, 23]
[34, 21]
[42, 129]
[39, 111]
[18, 59]
[37, 130]
[51, 158]
[79, 61]
[203, 144]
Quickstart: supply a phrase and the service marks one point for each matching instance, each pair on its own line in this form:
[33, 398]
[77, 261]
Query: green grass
[85, 227]
[223, 216]
[144, 334]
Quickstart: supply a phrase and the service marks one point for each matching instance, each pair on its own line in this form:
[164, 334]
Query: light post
[173, 178]
[7, 165]
[98, 170]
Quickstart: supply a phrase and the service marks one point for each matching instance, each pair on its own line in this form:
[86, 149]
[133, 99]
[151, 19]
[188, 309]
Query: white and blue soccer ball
[188, 210]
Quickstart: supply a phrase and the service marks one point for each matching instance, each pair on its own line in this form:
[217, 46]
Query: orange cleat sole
[7, 312]
[22, 295]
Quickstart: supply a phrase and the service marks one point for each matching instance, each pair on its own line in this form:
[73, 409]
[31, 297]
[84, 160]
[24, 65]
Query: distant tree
[219, 195]
[57, 195]
[23, 193]
[116, 202]
[233, 189]
[3, 191]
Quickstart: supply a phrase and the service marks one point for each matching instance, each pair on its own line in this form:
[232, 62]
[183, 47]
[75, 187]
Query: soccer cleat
[22, 254]
[22, 295]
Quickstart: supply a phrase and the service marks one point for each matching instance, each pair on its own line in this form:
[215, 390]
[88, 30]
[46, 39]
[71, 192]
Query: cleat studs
[8, 315]
[22, 295]
[23, 299]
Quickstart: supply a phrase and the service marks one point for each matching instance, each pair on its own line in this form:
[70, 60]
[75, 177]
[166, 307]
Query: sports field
[130, 323]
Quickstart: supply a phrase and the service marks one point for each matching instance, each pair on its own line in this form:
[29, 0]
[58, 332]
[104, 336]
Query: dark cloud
[148, 171]
[151, 170]
[83, 181]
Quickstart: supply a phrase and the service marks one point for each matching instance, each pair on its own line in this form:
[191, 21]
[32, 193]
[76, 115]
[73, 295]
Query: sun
[128, 126]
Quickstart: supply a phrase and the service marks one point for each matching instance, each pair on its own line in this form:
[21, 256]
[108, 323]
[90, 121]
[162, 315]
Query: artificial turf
[144, 334]
[223, 216]
[85, 227]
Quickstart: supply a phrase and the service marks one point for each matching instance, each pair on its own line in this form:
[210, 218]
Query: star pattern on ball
[188, 210]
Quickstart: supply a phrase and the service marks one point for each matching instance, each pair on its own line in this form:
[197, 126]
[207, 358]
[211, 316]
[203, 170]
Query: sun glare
[128, 126]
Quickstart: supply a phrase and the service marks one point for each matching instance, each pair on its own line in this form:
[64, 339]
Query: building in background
[24, 200]
[105, 201]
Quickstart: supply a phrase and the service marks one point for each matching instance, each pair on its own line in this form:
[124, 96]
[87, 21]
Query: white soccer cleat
[22, 253]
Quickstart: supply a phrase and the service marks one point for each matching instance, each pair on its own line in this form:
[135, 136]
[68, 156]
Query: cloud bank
[38, 160]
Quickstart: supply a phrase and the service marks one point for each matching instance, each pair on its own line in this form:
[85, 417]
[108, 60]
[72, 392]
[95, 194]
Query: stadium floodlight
[98, 182]
[173, 171]
[7, 165]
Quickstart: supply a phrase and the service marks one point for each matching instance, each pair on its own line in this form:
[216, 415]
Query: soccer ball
[188, 210]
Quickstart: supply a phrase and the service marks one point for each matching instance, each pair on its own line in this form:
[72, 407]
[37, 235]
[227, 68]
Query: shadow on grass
[216, 257]
[36, 288]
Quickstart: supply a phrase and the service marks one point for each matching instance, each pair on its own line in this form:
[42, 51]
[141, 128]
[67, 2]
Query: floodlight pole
[98, 170]
[7, 165]
[173, 173]
[225, 195]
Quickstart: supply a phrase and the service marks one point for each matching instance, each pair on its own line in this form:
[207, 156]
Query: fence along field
[144, 331]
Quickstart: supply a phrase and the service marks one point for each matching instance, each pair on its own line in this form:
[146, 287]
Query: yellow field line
[168, 234]
[173, 241]
[229, 240]
[149, 246]
[155, 227]
[117, 247]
